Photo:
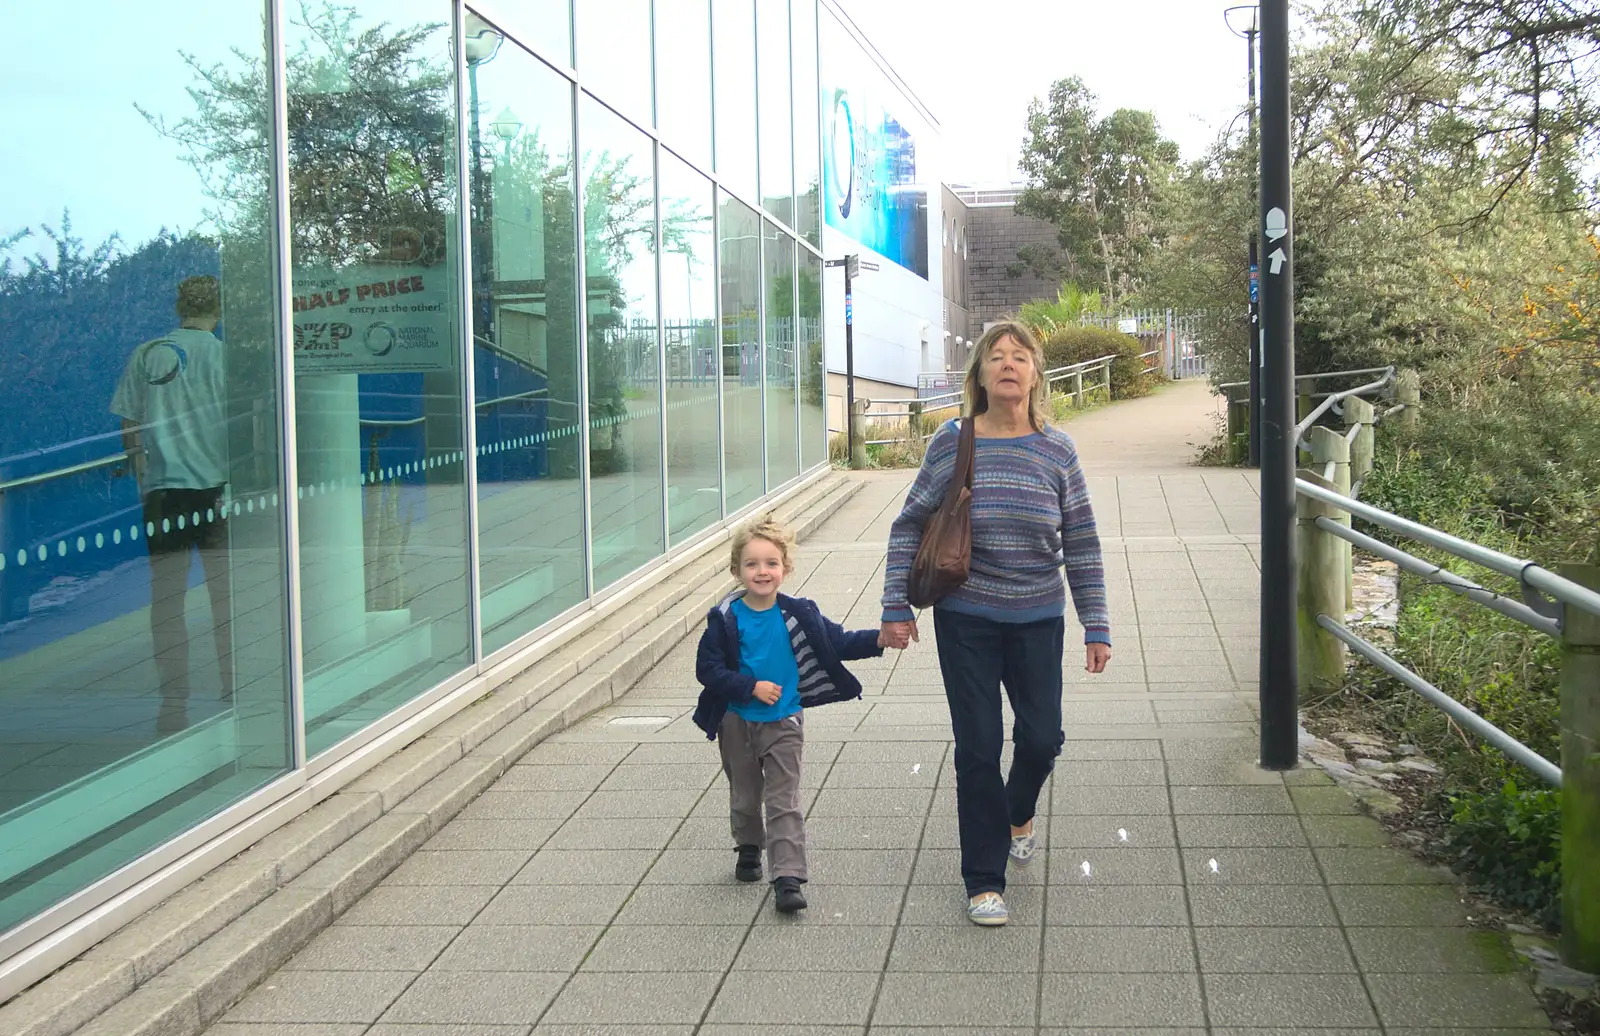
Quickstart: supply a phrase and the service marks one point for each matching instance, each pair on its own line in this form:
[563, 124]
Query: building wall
[884, 208]
[956, 223]
[997, 233]
[201, 597]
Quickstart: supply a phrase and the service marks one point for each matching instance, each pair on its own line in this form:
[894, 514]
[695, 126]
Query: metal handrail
[1315, 377]
[1335, 397]
[1535, 762]
[1443, 577]
[1534, 579]
[1525, 572]
[107, 461]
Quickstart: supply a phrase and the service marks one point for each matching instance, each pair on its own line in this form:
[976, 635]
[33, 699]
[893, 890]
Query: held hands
[897, 635]
[767, 692]
[1096, 657]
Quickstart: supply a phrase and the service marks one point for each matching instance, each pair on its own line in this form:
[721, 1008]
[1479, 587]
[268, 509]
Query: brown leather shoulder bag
[946, 551]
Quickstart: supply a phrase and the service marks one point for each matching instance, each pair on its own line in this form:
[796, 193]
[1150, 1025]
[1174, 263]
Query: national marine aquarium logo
[871, 177]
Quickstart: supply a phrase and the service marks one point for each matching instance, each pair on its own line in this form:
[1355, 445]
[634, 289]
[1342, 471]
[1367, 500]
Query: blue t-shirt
[766, 654]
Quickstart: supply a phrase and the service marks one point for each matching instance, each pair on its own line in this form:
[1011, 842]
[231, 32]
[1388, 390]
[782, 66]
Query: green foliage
[1098, 181]
[1509, 840]
[1514, 470]
[1068, 345]
[1071, 305]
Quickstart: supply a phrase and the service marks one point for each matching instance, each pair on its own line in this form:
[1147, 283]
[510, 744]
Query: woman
[1030, 514]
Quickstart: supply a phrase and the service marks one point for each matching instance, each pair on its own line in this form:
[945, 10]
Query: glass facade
[391, 350]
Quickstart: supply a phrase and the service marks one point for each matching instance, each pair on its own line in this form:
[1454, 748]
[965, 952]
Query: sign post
[1255, 279]
[1280, 706]
[852, 267]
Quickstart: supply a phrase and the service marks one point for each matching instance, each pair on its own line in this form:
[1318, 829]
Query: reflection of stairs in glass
[516, 596]
[59, 820]
[394, 648]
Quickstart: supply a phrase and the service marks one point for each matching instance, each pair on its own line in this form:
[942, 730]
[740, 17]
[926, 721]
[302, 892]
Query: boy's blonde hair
[765, 527]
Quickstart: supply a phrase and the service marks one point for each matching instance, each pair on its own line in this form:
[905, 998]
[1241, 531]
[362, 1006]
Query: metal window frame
[43, 942]
[288, 439]
[489, 8]
[467, 333]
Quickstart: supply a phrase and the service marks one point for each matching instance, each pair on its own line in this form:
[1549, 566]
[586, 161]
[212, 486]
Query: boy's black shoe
[749, 866]
[788, 897]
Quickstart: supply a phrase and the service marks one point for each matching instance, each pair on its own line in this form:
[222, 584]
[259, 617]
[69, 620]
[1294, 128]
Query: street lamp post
[1280, 719]
[1254, 346]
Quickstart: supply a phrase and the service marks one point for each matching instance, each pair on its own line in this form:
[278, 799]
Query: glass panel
[141, 603]
[807, 132]
[689, 327]
[383, 534]
[777, 131]
[619, 227]
[525, 320]
[544, 25]
[614, 54]
[813, 373]
[739, 262]
[734, 37]
[778, 279]
[683, 77]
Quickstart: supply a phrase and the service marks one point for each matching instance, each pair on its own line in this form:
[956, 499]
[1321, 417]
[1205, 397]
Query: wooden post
[1303, 405]
[1077, 388]
[1358, 411]
[914, 423]
[858, 434]
[1408, 390]
[1238, 424]
[1580, 776]
[1328, 446]
[1321, 592]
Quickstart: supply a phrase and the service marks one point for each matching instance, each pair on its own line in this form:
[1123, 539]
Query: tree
[1099, 182]
[1534, 69]
[1390, 188]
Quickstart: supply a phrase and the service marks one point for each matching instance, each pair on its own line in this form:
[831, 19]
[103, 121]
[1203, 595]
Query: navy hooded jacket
[821, 647]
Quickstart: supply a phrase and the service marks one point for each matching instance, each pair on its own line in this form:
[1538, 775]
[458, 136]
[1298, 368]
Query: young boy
[763, 657]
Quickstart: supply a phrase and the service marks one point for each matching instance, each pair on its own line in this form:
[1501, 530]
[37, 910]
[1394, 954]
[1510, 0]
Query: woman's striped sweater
[1030, 516]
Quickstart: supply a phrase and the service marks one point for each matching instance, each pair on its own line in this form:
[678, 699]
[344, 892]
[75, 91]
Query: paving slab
[588, 891]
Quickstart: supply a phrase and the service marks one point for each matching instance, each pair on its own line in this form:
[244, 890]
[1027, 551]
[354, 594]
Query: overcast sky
[976, 65]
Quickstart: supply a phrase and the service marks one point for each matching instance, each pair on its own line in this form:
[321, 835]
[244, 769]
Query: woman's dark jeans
[976, 656]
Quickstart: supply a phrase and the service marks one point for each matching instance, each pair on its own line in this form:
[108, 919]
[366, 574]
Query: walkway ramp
[1184, 891]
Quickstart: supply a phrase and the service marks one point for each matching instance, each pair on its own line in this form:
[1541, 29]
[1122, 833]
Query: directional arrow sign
[1278, 259]
[1277, 224]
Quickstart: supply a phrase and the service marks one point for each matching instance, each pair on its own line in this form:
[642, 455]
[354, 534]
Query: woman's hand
[1096, 657]
[897, 635]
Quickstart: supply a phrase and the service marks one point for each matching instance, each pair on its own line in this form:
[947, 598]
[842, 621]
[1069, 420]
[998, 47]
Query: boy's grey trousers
[762, 761]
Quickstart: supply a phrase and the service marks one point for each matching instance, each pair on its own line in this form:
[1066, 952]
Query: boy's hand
[767, 692]
[898, 635]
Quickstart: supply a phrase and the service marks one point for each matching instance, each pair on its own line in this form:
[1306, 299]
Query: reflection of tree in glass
[369, 138]
[618, 218]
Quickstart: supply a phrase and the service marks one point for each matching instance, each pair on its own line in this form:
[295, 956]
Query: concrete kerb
[183, 964]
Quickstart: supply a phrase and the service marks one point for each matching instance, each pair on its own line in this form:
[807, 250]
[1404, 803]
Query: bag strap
[961, 474]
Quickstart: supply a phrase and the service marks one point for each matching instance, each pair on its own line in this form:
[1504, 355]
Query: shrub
[1509, 839]
[1068, 345]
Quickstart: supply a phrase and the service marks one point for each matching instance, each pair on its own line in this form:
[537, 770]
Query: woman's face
[1009, 372]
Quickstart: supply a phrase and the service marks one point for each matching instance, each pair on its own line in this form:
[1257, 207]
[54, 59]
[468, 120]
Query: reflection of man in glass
[172, 401]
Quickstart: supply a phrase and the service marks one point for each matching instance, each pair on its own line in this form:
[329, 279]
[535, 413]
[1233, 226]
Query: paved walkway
[1183, 890]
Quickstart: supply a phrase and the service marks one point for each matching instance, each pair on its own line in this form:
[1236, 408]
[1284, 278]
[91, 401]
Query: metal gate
[1176, 336]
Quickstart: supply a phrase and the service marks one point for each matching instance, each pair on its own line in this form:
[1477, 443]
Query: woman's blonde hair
[976, 398]
[765, 527]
